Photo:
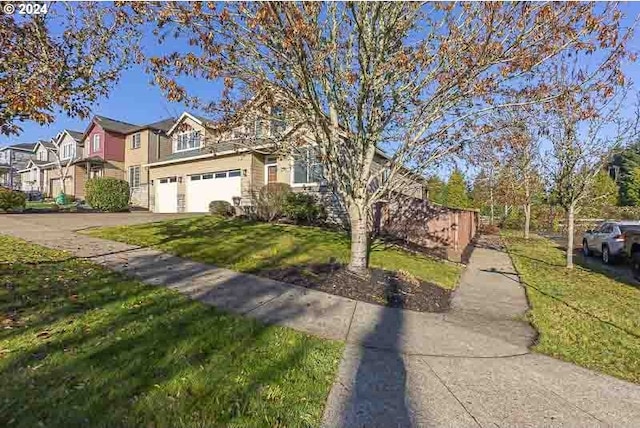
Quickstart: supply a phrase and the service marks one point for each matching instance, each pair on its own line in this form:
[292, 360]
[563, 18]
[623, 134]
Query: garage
[212, 186]
[55, 187]
[166, 195]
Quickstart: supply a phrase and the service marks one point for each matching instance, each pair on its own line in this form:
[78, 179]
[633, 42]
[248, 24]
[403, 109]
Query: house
[69, 147]
[144, 145]
[200, 161]
[33, 175]
[13, 159]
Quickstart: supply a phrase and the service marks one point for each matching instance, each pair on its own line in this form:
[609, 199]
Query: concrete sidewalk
[469, 367]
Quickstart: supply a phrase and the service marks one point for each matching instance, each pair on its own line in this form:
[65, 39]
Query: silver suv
[607, 239]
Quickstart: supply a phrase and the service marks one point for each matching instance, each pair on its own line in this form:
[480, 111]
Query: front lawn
[83, 346]
[254, 247]
[583, 316]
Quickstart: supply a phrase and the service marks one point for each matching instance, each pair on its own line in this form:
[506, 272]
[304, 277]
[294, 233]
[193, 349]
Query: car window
[607, 228]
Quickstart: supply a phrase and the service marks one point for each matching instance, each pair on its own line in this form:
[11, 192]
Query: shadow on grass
[134, 355]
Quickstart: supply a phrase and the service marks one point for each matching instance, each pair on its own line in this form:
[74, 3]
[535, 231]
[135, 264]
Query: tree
[584, 127]
[435, 187]
[64, 59]
[404, 77]
[455, 192]
[632, 186]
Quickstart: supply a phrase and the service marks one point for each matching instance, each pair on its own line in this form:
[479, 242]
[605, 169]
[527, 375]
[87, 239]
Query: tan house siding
[138, 157]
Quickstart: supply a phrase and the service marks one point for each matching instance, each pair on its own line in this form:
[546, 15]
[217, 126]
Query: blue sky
[135, 100]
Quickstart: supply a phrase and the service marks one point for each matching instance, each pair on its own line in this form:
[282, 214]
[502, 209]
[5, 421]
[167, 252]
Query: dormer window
[42, 155]
[188, 140]
[278, 123]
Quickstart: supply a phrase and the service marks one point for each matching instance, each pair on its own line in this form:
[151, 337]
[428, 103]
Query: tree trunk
[570, 219]
[527, 220]
[359, 239]
[492, 206]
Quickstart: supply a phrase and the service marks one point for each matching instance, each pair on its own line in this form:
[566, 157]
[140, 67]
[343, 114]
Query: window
[278, 124]
[68, 151]
[135, 141]
[207, 176]
[96, 142]
[42, 155]
[260, 131]
[134, 176]
[189, 140]
[221, 175]
[234, 173]
[306, 168]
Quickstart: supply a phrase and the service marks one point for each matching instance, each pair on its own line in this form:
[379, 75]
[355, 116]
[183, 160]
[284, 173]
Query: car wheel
[606, 256]
[585, 248]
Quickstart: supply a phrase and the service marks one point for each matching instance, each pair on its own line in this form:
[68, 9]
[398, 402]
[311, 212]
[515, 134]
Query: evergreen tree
[435, 187]
[627, 162]
[455, 192]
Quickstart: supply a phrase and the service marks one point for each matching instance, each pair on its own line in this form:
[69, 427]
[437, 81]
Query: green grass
[584, 317]
[84, 346]
[254, 247]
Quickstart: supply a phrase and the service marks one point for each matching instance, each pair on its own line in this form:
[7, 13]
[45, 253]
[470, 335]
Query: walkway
[469, 367]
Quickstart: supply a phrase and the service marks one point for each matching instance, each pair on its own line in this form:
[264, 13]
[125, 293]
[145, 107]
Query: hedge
[107, 194]
[11, 199]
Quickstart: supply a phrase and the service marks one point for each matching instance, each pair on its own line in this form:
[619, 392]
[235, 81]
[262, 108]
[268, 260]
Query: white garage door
[212, 186]
[167, 195]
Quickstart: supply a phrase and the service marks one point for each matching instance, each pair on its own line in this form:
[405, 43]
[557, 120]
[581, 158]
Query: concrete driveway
[77, 221]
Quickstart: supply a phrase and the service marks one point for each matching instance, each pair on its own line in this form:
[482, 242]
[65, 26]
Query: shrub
[221, 208]
[269, 201]
[11, 199]
[107, 194]
[303, 208]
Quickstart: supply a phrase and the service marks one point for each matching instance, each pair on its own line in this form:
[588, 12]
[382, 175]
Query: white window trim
[175, 141]
[130, 169]
[292, 175]
[267, 164]
[133, 141]
[93, 143]
[71, 150]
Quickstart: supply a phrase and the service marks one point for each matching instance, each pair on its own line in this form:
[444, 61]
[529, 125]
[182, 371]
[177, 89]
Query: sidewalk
[468, 367]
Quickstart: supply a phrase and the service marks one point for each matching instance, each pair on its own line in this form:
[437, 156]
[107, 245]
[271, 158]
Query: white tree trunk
[570, 227]
[358, 216]
[492, 206]
[527, 220]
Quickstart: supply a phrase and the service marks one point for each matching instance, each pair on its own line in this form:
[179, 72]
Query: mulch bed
[380, 286]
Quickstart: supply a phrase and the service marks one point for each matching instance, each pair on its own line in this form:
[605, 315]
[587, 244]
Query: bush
[107, 194]
[11, 199]
[269, 201]
[303, 208]
[221, 208]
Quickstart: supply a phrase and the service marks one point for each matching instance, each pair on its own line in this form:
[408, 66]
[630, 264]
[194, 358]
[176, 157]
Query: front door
[271, 169]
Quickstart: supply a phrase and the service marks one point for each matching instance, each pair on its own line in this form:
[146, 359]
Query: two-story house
[143, 145]
[13, 159]
[201, 161]
[33, 177]
[68, 149]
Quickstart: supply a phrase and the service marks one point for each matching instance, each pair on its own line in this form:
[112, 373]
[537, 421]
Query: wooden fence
[442, 231]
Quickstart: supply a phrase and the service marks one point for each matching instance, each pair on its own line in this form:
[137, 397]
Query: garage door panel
[213, 186]
[166, 194]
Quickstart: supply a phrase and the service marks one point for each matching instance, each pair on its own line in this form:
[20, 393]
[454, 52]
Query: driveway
[77, 221]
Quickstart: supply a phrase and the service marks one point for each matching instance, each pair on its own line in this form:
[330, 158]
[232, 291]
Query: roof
[111, 125]
[76, 135]
[163, 125]
[26, 147]
[47, 144]
[199, 119]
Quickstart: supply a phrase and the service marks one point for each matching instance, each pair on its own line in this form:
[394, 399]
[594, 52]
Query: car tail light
[619, 238]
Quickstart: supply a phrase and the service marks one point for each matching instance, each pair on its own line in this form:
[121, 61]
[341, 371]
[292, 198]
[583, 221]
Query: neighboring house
[69, 148]
[33, 175]
[143, 145]
[13, 159]
[198, 164]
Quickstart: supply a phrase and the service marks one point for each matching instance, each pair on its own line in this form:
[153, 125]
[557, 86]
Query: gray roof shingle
[113, 125]
[163, 125]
